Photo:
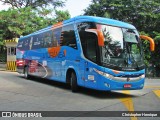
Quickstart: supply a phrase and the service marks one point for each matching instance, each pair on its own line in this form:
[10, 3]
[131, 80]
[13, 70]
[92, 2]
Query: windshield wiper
[111, 66]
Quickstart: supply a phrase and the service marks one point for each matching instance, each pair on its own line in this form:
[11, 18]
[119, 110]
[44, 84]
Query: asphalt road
[19, 94]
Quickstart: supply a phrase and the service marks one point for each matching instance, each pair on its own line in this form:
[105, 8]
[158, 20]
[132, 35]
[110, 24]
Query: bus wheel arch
[71, 79]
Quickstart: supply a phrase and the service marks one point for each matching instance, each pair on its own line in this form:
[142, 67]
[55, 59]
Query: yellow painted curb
[151, 86]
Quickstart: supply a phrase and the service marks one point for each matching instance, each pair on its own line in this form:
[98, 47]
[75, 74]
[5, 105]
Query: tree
[143, 14]
[27, 16]
[14, 23]
[34, 3]
[152, 59]
[62, 15]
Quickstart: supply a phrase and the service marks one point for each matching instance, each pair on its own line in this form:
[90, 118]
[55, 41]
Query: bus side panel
[35, 61]
[70, 61]
[91, 78]
[41, 64]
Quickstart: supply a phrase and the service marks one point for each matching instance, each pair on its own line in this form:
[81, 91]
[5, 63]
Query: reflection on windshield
[130, 37]
[122, 47]
[113, 40]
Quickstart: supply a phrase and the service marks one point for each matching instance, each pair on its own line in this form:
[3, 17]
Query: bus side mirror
[99, 35]
[100, 38]
[152, 44]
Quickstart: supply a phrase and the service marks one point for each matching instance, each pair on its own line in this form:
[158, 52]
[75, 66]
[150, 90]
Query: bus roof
[101, 20]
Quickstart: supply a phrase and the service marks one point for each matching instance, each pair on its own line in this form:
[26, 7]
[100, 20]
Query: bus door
[89, 46]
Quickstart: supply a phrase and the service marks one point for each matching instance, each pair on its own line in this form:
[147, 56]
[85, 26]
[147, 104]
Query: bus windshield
[122, 48]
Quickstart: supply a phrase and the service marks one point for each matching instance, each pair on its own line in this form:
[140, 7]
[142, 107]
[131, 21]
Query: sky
[75, 7]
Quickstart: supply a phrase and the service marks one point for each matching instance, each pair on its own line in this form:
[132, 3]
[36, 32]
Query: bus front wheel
[74, 85]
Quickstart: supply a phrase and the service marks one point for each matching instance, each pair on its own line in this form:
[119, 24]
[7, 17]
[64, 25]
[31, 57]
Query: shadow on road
[83, 91]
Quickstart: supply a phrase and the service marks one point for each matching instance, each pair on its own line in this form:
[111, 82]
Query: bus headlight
[142, 76]
[104, 74]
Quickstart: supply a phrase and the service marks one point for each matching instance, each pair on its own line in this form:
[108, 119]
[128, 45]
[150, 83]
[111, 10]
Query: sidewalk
[2, 66]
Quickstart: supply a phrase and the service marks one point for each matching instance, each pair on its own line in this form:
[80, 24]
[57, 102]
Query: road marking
[151, 86]
[157, 92]
[127, 101]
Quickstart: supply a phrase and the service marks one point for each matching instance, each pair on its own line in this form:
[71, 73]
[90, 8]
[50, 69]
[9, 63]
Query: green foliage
[62, 15]
[156, 53]
[34, 3]
[27, 16]
[138, 12]
[15, 23]
[143, 14]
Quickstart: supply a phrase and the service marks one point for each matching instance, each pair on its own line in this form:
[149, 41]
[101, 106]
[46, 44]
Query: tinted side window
[68, 37]
[85, 25]
[47, 39]
[25, 44]
[52, 38]
[35, 42]
[56, 37]
[43, 40]
[20, 45]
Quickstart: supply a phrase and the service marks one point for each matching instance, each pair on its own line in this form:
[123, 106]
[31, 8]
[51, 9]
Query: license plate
[127, 86]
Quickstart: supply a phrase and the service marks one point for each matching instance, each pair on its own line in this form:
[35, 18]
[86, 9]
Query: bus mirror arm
[64, 52]
[99, 35]
[152, 44]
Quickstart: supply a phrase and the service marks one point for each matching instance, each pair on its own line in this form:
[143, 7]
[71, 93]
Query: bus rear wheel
[26, 75]
[73, 82]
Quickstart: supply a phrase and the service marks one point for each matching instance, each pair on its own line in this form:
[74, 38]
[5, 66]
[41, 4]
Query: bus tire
[74, 86]
[26, 75]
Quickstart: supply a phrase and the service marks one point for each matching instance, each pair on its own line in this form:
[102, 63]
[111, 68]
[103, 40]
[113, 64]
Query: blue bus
[88, 51]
